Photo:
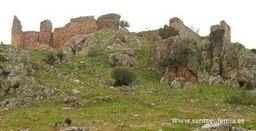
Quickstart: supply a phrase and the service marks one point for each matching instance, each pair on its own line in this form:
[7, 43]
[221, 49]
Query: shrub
[94, 51]
[124, 23]
[253, 51]
[50, 59]
[242, 98]
[167, 31]
[123, 76]
[217, 36]
[249, 85]
[60, 56]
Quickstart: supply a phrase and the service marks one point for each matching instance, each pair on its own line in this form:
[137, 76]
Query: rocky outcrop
[46, 38]
[79, 44]
[117, 59]
[18, 83]
[109, 21]
[184, 31]
[214, 59]
[121, 47]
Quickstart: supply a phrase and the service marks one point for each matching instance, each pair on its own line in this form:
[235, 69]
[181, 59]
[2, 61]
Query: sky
[141, 14]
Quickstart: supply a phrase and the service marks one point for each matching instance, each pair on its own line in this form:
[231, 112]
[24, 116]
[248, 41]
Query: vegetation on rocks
[217, 36]
[167, 31]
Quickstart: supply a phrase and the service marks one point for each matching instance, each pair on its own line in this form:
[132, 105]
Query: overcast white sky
[141, 14]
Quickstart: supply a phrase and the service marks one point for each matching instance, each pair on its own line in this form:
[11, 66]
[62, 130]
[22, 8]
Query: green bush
[242, 98]
[217, 36]
[167, 31]
[124, 23]
[123, 76]
[94, 51]
[60, 56]
[50, 59]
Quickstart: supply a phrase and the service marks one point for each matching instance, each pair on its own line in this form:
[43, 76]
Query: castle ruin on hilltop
[57, 38]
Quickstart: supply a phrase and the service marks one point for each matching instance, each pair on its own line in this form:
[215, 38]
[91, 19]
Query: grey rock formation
[19, 83]
[75, 101]
[176, 84]
[79, 44]
[213, 59]
[117, 59]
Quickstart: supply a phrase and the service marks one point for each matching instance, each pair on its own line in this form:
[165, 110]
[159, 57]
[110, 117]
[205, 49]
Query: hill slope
[79, 87]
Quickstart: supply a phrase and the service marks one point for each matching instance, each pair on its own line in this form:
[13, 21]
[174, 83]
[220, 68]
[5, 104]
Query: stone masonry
[223, 25]
[57, 38]
[17, 33]
[45, 34]
[109, 21]
[80, 25]
[184, 31]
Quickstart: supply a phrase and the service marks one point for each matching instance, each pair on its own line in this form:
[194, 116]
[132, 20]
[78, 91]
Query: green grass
[147, 106]
[138, 110]
[104, 34]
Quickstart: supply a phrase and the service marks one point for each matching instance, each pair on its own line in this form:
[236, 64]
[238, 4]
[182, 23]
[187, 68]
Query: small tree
[253, 51]
[50, 59]
[60, 56]
[167, 31]
[123, 76]
[192, 27]
[124, 24]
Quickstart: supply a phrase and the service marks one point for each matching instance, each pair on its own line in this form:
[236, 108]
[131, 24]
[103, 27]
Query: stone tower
[17, 33]
[45, 34]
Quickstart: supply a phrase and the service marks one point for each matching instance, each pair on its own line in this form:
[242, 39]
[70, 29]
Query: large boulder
[117, 59]
[79, 44]
[122, 40]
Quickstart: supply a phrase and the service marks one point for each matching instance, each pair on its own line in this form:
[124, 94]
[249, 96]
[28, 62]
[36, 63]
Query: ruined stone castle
[57, 38]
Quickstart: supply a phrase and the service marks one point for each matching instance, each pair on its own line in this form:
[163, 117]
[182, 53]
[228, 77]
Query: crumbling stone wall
[109, 21]
[45, 34]
[57, 38]
[184, 31]
[227, 34]
[223, 26]
[17, 33]
[30, 39]
[80, 25]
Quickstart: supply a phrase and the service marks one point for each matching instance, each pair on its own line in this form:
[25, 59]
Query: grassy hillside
[145, 106]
